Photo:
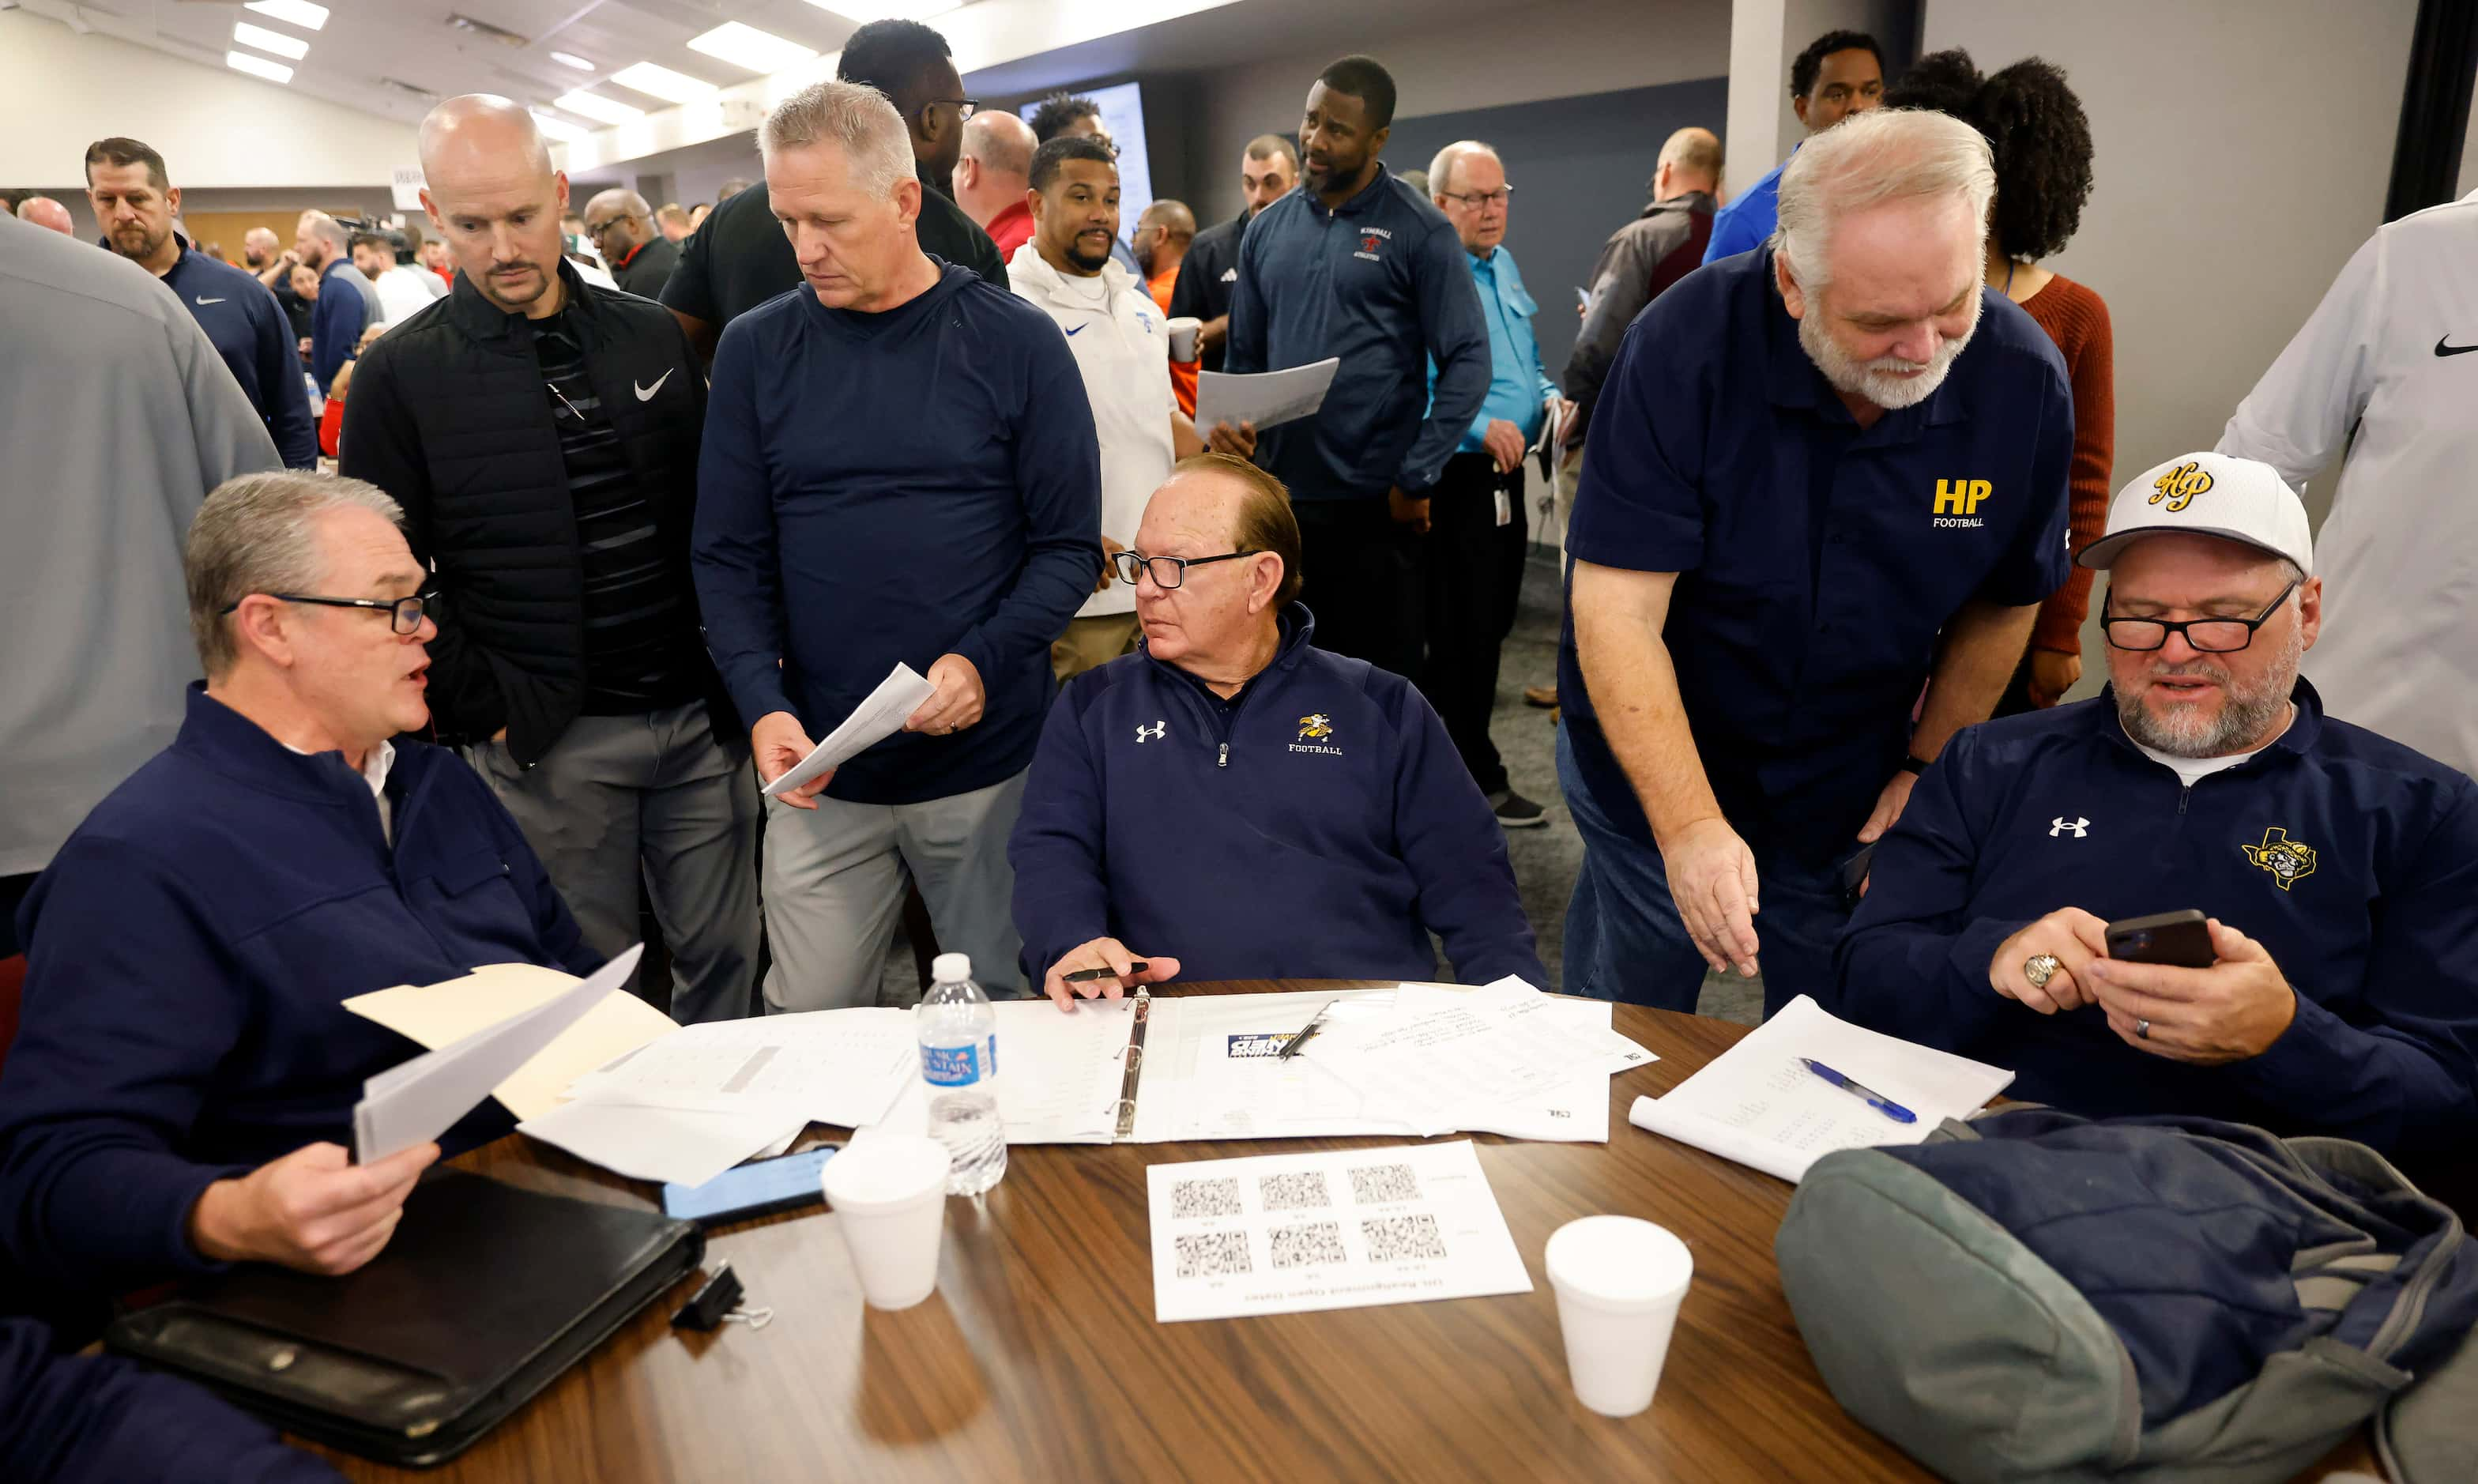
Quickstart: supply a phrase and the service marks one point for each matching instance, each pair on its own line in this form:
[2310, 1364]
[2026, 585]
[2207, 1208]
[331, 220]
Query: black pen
[1087, 975]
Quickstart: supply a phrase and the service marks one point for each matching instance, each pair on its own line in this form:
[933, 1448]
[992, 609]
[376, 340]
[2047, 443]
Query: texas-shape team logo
[2289, 862]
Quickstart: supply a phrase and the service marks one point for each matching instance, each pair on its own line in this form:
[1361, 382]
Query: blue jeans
[1625, 941]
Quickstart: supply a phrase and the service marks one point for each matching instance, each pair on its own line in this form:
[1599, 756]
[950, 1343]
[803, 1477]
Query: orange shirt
[1182, 373]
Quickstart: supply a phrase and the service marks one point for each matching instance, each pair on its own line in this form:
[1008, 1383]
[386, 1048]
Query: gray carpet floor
[1545, 860]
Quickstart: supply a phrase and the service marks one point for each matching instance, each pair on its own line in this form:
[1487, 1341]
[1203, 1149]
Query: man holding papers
[1245, 801]
[184, 1075]
[2339, 870]
[899, 467]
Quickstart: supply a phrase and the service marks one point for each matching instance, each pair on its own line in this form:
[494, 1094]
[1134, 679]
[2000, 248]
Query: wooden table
[1039, 1358]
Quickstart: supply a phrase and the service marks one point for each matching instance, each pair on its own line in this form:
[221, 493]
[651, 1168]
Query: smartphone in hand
[2180, 938]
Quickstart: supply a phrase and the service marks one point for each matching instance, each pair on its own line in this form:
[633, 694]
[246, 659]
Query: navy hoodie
[1318, 826]
[2351, 859]
[186, 954]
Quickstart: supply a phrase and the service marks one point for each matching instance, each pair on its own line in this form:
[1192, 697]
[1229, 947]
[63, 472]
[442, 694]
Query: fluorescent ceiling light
[746, 46]
[298, 12]
[572, 59]
[599, 108]
[258, 66]
[273, 43]
[866, 10]
[559, 129]
[662, 83]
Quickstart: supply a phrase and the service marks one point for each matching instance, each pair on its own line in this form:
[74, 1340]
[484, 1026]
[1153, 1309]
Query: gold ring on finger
[2040, 968]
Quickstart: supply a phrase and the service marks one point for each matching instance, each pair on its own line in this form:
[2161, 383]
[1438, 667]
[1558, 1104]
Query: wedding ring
[2040, 968]
[2142, 1029]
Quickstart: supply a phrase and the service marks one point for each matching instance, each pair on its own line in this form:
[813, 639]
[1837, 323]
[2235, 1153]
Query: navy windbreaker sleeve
[1057, 851]
[1456, 337]
[1912, 962]
[1456, 851]
[737, 566]
[335, 329]
[279, 382]
[2398, 1075]
[1058, 475]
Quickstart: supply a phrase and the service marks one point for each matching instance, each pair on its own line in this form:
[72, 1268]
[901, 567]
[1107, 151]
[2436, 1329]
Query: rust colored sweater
[2076, 318]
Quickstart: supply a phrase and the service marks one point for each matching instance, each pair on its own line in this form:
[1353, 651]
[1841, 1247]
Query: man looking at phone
[2338, 870]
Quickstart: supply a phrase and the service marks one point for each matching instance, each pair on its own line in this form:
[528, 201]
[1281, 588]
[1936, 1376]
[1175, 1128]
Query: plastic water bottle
[959, 1059]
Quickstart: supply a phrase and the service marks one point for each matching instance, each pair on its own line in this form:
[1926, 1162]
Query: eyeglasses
[593, 232]
[1481, 200]
[2210, 636]
[404, 613]
[965, 108]
[1168, 571]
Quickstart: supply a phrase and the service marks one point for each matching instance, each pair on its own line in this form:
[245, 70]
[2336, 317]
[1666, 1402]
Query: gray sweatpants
[617, 797]
[834, 889]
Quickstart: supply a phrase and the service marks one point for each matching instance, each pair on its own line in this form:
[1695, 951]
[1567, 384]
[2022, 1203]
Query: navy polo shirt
[1816, 562]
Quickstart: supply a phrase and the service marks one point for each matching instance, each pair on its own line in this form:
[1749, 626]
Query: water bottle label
[959, 1065]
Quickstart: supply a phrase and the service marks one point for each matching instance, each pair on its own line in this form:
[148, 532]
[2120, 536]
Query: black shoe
[1514, 811]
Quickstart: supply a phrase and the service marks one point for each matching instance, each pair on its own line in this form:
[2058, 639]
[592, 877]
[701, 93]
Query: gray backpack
[2037, 1296]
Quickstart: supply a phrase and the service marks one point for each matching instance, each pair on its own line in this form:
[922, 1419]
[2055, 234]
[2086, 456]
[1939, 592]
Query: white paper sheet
[1265, 398]
[1213, 1070]
[673, 1145]
[1059, 1074]
[1343, 1229]
[840, 1066]
[1754, 1104]
[1441, 1054]
[880, 716]
[443, 1013]
[420, 1099]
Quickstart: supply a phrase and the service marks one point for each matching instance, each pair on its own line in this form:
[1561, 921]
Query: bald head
[1173, 217]
[258, 247]
[1690, 160]
[994, 167]
[1162, 237]
[44, 211]
[494, 197]
[617, 222]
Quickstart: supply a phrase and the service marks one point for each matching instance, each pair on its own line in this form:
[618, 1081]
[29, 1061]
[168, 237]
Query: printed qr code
[1295, 1191]
[1374, 1185]
[1300, 1247]
[1212, 1254]
[1192, 1198]
[1403, 1238]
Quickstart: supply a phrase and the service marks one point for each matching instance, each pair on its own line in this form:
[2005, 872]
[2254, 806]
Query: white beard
[1874, 380]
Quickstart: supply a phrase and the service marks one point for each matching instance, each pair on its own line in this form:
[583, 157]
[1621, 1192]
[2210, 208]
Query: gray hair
[256, 534]
[856, 119]
[1868, 160]
[1441, 169]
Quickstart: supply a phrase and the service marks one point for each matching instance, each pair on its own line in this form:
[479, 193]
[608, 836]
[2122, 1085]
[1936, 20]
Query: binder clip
[718, 1302]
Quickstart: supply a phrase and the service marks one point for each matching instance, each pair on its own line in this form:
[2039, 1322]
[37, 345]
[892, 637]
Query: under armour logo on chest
[1153, 732]
[2059, 826]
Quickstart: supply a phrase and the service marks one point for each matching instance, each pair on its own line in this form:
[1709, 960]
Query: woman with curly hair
[2041, 142]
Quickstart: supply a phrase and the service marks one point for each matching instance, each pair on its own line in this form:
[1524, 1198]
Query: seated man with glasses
[2338, 870]
[1231, 803]
[181, 1089]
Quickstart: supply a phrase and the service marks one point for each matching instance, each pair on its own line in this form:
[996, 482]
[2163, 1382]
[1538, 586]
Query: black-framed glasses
[1168, 571]
[1481, 200]
[2210, 636]
[404, 613]
[965, 108]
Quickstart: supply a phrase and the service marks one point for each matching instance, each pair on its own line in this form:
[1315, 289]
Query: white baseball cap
[2208, 494]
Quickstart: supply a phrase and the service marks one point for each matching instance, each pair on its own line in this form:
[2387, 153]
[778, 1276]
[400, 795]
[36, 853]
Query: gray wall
[1578, 168]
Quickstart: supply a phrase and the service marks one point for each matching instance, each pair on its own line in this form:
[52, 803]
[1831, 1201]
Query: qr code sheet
[1373, 1185]
[1403, 1238]
[1192, 1199]
[1305, 1245]
[1212, 1254]
[1299, 1190]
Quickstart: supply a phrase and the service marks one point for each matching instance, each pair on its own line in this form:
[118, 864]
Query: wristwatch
[1915, 764]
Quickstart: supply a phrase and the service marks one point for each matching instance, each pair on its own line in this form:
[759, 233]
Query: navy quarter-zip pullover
[2351, 859]
[1381, 281]
[187, 953]
[250, 332]
[1316, 825]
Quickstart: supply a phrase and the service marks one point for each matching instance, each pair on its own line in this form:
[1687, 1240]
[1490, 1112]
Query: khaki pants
[1090, 643]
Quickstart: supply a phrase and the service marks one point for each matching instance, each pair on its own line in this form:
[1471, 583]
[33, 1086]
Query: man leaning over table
[1235, 797]
[183, 1077]
[2339, 870]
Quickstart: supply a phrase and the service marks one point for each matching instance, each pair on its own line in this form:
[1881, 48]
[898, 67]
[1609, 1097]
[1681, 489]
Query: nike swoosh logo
[647, 394]
[219, 301]
[2443, 349]
[1071, 334]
